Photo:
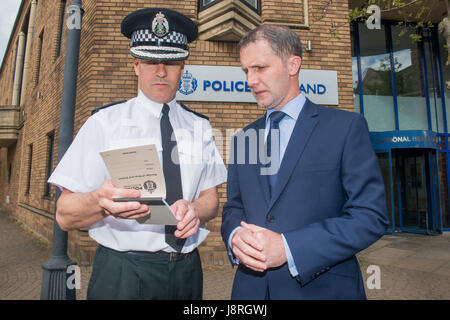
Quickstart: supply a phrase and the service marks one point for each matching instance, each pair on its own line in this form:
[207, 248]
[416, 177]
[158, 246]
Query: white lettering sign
[228, 84]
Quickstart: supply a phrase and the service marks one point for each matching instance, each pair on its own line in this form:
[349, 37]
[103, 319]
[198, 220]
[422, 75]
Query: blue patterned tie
[172, 174]
[275, 118]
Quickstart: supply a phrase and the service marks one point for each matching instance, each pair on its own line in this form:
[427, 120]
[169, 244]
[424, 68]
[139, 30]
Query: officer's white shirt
[133, 123]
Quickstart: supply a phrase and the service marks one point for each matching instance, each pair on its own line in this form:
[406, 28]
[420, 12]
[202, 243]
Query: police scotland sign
[228, 84]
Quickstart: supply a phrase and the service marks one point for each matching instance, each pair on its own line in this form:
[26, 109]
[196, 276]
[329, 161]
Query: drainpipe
[57, 283]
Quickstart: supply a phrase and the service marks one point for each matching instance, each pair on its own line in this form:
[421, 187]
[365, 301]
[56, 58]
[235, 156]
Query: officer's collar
[154, 107]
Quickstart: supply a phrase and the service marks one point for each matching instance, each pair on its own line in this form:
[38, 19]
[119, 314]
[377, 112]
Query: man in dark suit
[305, 192]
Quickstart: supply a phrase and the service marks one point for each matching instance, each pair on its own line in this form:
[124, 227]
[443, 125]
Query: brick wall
[106, 75]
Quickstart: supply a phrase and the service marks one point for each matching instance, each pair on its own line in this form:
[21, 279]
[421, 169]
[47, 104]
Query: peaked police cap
[159, 34]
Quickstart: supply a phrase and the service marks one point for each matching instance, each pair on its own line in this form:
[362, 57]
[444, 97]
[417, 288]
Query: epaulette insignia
[194, 112]
[106, 106]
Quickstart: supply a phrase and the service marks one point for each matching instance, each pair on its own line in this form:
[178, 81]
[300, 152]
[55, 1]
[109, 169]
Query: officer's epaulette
[194, 112]
[106, 106]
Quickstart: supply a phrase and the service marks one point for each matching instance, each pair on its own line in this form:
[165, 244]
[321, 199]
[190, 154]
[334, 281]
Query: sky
[8, 13]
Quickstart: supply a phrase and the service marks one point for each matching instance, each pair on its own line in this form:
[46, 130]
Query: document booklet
[139, 168]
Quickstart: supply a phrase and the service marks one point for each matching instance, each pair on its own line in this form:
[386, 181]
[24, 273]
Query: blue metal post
[391, 182]
[444, 115]
[54, 282]
[358, 60]
[388, 34]
[439, 191]
[427, 94]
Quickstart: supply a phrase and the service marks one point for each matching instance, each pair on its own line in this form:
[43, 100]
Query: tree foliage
[408, 13]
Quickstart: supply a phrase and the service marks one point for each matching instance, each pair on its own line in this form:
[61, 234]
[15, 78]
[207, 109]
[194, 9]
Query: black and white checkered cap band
[146, 36]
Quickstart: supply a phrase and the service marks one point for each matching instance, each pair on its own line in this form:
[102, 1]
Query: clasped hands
[186, 213]
[258, 248]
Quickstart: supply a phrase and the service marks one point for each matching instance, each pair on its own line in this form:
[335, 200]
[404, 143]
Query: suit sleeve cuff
[290, 259]
[233, 259]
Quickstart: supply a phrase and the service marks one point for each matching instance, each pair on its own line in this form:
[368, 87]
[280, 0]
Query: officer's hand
[121, 210]
[188, 219]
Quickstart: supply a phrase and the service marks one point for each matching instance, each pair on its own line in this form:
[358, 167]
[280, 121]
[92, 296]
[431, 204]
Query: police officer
[133, 260]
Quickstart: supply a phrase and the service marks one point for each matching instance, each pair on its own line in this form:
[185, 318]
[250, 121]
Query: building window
[203, 4]
[409, 80]
[253, 4]
[30, 161]
[50, 142]
[375, 71]
[397, 82]
[445, 74]
[39, 56]
[9, 173]
[62, 13]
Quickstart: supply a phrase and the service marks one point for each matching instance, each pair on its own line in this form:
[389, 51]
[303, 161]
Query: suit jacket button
[270, 218]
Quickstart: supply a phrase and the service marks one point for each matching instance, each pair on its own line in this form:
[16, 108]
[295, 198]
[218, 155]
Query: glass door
[414, 213]
[412, 190]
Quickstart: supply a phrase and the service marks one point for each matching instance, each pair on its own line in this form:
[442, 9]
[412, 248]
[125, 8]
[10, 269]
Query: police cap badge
[159, 34]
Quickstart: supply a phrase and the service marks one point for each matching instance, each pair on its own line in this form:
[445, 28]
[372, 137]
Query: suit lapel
[304, 126]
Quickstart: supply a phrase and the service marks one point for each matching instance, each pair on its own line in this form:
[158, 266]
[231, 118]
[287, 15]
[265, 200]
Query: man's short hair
[284, 41]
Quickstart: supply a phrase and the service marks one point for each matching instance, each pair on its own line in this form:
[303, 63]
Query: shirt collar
[292, 108]
[155, 108]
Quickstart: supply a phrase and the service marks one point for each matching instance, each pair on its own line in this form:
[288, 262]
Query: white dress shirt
[133, 123]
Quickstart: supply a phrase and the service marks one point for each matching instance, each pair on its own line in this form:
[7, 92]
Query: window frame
[39, 57]
[30, 166]
[201, 7]
[258, 3]
[62, 19]
[49, 164]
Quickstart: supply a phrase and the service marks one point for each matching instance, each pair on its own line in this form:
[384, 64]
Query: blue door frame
[399, 145]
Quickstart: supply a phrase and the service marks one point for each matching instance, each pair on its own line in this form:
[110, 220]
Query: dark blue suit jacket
[329, 202]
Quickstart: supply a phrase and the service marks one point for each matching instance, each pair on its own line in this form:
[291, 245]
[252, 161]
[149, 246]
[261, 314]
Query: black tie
[275, 117]
[172, 176]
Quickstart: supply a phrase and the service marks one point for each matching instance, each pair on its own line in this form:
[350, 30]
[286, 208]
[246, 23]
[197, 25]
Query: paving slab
[415, 263]
[387, 255]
